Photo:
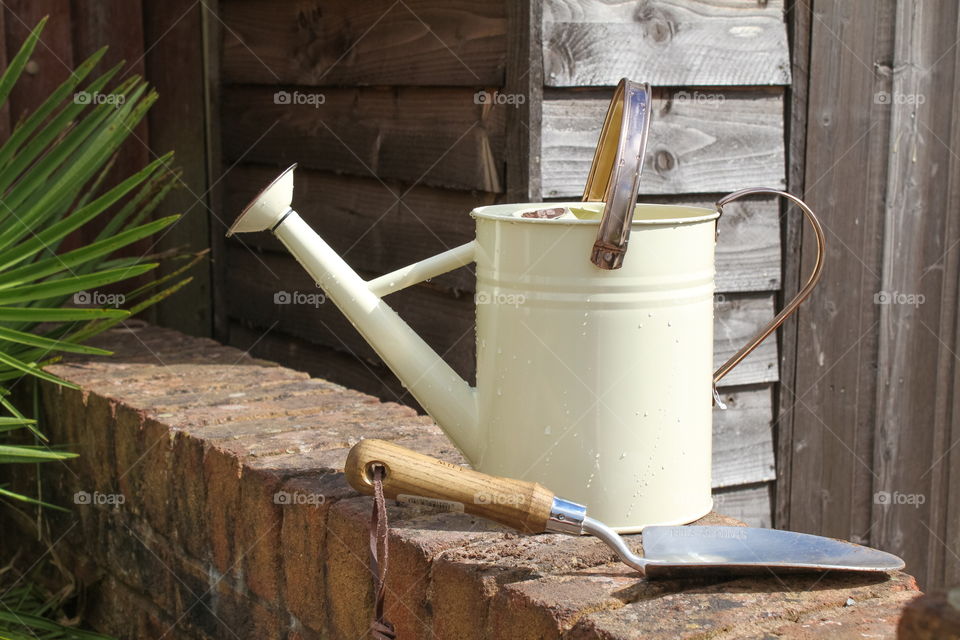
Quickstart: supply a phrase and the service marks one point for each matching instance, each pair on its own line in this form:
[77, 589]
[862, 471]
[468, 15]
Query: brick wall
[235, 522]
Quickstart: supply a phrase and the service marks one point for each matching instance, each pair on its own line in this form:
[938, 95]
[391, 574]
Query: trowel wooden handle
[525, 506]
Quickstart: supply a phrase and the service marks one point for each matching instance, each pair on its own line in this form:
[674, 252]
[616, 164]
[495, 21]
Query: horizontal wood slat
[441, 136]
[737, 318]
[665, 42]
[743, 438]
[363, 221]
[701, 141]
[751, 504]
[337, 42]
[445, 321]
[320, 361]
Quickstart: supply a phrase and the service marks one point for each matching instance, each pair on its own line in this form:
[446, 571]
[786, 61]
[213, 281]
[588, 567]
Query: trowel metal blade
[682, 551]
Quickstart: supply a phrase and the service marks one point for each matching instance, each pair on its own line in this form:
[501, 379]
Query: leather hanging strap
[380, 628]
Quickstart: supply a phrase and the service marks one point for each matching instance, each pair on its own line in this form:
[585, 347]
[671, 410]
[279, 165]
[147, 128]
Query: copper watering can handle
[802, 295]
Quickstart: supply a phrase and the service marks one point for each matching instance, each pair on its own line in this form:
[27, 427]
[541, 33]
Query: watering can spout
[447, 397]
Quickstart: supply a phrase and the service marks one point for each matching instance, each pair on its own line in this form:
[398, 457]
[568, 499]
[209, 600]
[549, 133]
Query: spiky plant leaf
[53, 172]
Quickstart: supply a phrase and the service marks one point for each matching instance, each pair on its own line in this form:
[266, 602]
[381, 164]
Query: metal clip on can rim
[615, 172]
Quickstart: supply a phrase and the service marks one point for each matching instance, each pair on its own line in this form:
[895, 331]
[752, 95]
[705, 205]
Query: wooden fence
[163, 42]
[869, 435]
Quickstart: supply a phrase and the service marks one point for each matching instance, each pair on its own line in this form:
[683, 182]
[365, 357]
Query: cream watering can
[594, 365]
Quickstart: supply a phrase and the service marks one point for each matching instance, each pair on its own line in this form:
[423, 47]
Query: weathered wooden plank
[345, 42]
[52, 60]
[748, 241]
[834, 395]
[362, 219]
[743, 438]
[665, 42]
[917, 362]
[701, 141]
[321, 362]
[212, 27]
[443, 320]
[751, 504]
[737, 318]
[439, 136]
[117, 24]
[799, 19]
[5, 124]
[178, 121]
[524, 77]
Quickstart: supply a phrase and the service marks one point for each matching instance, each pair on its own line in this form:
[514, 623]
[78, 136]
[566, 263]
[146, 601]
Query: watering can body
[595, 382]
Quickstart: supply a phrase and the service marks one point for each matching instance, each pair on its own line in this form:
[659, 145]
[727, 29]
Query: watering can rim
[505, 213]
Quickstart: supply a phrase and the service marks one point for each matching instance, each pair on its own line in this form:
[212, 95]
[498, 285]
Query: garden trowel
[669, 551]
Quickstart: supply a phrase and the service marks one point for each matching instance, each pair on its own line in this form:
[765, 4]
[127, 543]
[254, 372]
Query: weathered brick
[859, 620]
[467, 579]
[736, 608]
[257, 531]
[128, 451]
[547, 607]
[116, 607]
[347, 586]
[238, 616]
[189, 496]
[222, 480]
[932, 616]
[348, 580]
[160, 478]
[414, 545]
[303, 543]
[139, 558]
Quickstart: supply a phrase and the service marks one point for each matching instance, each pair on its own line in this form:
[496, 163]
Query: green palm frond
[53, 182]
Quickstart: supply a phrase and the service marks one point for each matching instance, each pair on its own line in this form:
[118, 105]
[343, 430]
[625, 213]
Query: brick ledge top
[230, 468]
